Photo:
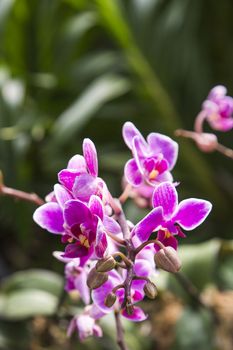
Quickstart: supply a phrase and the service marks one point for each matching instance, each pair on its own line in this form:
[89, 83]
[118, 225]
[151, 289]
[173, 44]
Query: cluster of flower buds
[217, 110]
[109, 261]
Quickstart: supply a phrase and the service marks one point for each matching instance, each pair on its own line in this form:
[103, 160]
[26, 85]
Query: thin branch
[198, 124]
[25, 196]
[152, 241]
[125, 194]
[189, 288]
[225, 150]
[116, 239]
[120, 332]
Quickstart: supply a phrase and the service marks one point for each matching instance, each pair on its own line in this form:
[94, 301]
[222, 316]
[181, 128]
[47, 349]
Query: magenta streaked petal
[50, 217]
[80, 284]
[163, 144]
[129, 131]
[221, 124]
[137, 316]
[148, 224]
[140, 151]
[59, 256]
[165, 196]
[62, 195]
[132, 173]
[137, 293]
[111, 225]
[142, 268]
[85, 186]
[75, 251]
[101, 242]
[90, 155]
[67, 177]
[192, 212]
[96, 206]
[95, 312]
[77, 163]
[76, 212]
[170, 241]
[97, 331]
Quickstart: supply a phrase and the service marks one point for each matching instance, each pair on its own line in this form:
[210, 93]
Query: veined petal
[111, 225]
[76, 212]
[142, 268]
[165, 196]
[129, 131]
[137, 316]
[148, 224]
[132, 173]
[90, 155]
[140, 151]
[75, 251]
[50, 217]
[101, 242]
[168, 241]
[78, 163]
[84, 186]
[163, 144]
[96, 206]
[80, 283]
[62, 194]
[192, 212]
[67, 177]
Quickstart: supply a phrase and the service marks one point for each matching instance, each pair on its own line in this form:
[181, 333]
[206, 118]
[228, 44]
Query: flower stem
[198, 124]
[224, 150]
[125, 194]
[120, 332]
[123, 257]
[189, 287]
[29, 197]
[152, 241]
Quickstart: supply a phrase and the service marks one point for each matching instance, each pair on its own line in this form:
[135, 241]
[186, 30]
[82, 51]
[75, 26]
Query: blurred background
[71, 69]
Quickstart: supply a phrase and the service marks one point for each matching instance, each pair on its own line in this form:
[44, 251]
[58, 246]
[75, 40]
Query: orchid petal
[165, 196]
[169, 241]
[163, 144]
[132, 173]
[75, 251]
[76, 212]
[67, 177]
[84, 186]
[80, 283]
[192, 212]
[78, 163]
[101, 242]
[62, 195]
[129, 131]
[90, 155]
[148, 224]
[111, 225]
[138, 314]
[96, 206]
[50, 217]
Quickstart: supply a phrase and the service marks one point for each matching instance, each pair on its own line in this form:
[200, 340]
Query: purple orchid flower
[83, 226]
[168, 216]
[142, 268]
[85, 324]
[81, 175]
[219, 109]
[152, 160]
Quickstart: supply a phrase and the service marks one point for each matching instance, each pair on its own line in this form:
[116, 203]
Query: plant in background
[217, 110]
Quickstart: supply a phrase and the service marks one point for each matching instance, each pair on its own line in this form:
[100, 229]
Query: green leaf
[27, 303]
[194, 330]
[33, 279]
[92, 99]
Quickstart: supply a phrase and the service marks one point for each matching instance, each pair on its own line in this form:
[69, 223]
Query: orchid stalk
[110, 261]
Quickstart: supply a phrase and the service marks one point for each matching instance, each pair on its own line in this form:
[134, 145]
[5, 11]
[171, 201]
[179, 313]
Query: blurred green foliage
[71, 69]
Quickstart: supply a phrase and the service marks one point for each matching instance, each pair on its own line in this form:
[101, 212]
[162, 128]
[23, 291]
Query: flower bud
[105, 264]
[206, 142]
[150, 290]
[168, 259]
[95, 279]
[110, 299]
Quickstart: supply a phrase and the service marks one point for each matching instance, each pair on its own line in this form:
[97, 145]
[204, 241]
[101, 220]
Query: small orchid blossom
[81, 175]
[219, 109]
[152, 160]
[83, 226]
[85, 323]
[168, 216]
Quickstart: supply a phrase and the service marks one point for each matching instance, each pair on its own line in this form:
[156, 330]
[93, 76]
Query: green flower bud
[168, 259]
[95, 279]
[110, 299]
[105, 264]
[150, 290]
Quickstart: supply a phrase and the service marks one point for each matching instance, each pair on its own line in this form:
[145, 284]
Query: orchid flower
[81, 175]
[168, 217]
[219, 109]
[83, 226]
[152, 159]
